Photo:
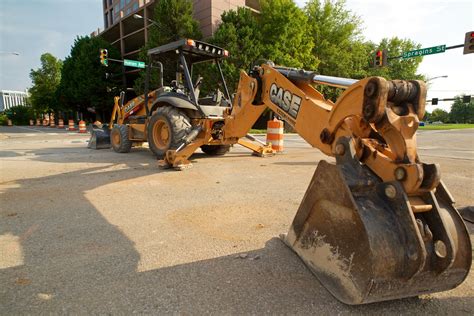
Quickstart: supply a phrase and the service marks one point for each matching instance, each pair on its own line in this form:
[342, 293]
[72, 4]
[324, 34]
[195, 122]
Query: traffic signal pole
[381, 56]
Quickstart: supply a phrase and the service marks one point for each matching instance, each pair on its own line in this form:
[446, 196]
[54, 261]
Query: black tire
[167, 128]
[119, 139]
[215, 150]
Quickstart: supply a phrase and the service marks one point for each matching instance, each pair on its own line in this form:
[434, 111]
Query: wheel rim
[161, 134]
[116, 139]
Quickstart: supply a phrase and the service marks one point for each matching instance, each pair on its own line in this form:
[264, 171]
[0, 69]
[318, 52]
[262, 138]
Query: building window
[135, 6]
[128, 1]
[116, 9]
[122, 4]
[110, 2]
[106, 20]
[129, 10]
[111, 16]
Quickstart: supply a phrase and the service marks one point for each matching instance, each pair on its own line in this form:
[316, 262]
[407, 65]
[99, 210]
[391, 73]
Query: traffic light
[434, 101]
[469, 43]
[466, 99]
[380, 59]
[103, 57]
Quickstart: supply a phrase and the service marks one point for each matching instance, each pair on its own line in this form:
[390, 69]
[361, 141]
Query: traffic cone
[275, 134]
[71, 126]
[82, 127]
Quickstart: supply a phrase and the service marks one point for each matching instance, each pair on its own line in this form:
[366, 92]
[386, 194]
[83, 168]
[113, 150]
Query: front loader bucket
[365, 247]
[100, 138]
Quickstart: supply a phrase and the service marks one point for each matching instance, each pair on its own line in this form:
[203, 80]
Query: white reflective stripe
[274, 130]
[276, 142]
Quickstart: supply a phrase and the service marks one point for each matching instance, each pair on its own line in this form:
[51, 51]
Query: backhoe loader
[377, 225]
[168, 116]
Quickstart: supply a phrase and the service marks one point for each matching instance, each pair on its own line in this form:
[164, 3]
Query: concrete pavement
[88, 232]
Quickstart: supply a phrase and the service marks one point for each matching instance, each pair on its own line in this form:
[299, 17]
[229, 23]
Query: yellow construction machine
[377, 225]
[169, 116]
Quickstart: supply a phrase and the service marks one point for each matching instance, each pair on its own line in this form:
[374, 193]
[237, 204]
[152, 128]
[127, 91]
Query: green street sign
[424, 51]
[133, 63]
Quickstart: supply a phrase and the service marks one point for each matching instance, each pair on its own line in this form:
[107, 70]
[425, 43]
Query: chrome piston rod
[337, 82]
[305, 76]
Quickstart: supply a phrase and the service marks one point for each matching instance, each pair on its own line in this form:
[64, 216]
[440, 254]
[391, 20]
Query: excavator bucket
[100, 137]
[364, 243]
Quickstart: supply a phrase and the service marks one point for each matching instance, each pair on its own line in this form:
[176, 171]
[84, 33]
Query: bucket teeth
[364, 243]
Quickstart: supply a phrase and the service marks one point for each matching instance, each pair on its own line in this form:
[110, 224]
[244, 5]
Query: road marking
[30, 129]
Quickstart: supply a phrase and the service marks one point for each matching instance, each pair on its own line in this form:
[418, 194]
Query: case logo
[285, 100]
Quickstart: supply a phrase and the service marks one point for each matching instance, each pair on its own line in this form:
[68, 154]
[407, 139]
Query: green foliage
[239, 34]
[284, 33]
[3, 119]
[174, 20]
[84, 83]
[439, 115]
[445, 126]
[336, 33]
[45, 80]
[461, 112]
[20, 115]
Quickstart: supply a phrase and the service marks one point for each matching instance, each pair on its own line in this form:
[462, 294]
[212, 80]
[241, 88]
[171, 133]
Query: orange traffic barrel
[38, 122]
[32, 123]
[60, 123]
[71, 126]
[9, 123]
[82, 127]
[275, 134]
[52, 123]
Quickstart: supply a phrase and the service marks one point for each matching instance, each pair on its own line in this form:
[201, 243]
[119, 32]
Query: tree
[284, 34]
[45, 80]
[439, 115]
[20, 114]
[338, 44]
[239, 34]
[173, 20]
[83, 85]
[427, 117]
[462, 112]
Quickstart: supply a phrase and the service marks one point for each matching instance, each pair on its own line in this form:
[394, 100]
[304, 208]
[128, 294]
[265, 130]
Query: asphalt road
[89, 232]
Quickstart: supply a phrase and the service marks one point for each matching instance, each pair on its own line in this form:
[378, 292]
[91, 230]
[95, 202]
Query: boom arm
[380, 116]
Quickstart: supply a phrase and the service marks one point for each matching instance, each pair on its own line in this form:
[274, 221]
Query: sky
[34, 27]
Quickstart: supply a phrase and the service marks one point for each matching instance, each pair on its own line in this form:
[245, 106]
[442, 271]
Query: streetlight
[10, 53]
[139, 17]
[437, 77]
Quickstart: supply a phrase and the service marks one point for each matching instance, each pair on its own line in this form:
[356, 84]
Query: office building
[10, 98]
[128, 33]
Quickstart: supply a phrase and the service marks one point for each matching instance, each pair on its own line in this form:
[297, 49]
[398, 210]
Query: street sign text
[133, 63]
[424, 51]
